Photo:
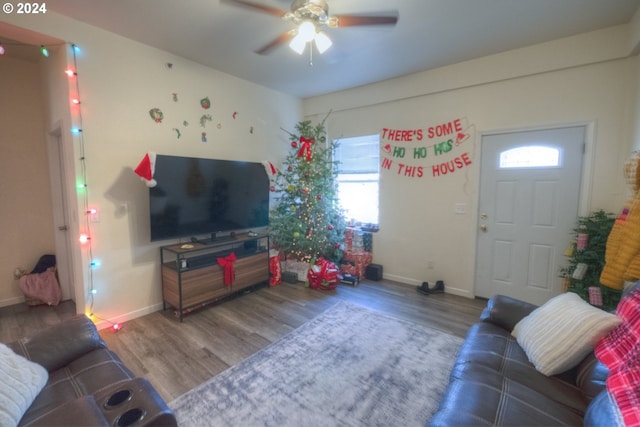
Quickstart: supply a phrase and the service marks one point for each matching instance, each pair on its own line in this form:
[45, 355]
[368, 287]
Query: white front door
[528, 207]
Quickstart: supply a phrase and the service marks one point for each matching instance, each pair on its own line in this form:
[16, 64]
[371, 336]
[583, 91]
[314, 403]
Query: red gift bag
[323, 275]
[275, 268]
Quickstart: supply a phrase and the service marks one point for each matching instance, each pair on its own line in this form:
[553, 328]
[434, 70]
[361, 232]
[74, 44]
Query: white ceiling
[429, 34]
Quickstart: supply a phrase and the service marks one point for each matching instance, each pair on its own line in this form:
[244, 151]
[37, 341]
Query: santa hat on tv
[271, 172]
[146, 169]
[269, 168]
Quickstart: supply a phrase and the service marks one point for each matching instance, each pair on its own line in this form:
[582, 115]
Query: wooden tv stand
[192, 278]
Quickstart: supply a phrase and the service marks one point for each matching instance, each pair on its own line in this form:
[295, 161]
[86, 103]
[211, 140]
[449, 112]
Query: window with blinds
[358, 177]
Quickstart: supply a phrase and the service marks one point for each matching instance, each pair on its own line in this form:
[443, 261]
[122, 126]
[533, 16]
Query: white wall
[120, 81]
[26, 223]
[579, 80]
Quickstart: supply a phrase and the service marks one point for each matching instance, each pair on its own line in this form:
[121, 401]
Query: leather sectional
[88, 384]
[493, 383]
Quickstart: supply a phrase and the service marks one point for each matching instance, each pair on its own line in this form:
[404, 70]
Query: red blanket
[620, 352]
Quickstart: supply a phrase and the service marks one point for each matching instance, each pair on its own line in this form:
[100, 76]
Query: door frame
[586, 179]
[62, 173]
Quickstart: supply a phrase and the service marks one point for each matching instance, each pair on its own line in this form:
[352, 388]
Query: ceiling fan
[311, 18]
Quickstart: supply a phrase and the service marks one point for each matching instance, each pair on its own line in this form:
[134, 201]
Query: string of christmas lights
[85, 237]
[5, 47]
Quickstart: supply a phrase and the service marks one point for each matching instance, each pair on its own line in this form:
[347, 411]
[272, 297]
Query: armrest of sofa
[83, 411]
[505, 311]
[60, 344]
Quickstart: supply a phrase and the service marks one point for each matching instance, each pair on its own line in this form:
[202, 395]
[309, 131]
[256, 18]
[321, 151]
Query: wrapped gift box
[297, 267]
[356, 262]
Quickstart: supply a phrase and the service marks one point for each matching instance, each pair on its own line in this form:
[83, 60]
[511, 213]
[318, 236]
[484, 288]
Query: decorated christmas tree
[308, 224]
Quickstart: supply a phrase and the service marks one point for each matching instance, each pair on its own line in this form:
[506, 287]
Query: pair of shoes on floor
[425, 289]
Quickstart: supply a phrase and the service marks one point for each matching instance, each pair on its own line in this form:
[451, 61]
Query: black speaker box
[290, 276]
[373, 272]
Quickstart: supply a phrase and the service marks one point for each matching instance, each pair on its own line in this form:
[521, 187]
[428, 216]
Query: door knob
[483, 227]
[63, 228]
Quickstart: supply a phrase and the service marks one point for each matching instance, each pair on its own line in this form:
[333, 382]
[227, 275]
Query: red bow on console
[305, 148]
[227, 264]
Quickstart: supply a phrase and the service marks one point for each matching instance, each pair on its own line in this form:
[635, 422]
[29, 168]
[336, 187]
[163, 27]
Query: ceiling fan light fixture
[323, 42]
[307, 30]
[298, 44]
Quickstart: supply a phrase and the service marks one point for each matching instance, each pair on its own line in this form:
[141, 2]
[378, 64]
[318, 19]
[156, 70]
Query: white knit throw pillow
[20, 382]
[559, 334]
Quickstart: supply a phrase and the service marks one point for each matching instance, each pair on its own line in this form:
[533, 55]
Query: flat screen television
[195, 197]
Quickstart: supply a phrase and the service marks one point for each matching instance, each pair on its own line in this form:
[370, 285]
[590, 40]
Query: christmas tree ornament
[205, 103]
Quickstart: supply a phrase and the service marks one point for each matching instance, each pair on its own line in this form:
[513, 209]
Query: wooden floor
[176, 356]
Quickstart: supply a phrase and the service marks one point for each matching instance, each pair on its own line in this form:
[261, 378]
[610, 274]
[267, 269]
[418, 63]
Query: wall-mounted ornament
[204, 119]
[251, 129]
[185, 123]
[177, 131]
[156, 115]
[203, 137]
[235, 115]
[219, 125]
[174, 95]
[205, 103]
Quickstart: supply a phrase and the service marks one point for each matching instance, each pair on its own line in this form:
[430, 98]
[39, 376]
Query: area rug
[350, 366]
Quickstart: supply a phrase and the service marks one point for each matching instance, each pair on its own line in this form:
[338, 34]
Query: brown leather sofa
[88, 384]
[493, 383]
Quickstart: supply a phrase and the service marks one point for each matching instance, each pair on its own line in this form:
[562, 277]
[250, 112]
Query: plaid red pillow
[620, 352]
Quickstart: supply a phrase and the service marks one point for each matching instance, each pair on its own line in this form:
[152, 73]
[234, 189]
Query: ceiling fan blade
[259, 7]
[281, 39]
[358, 20]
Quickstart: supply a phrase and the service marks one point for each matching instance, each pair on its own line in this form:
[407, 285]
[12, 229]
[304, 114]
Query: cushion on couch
[21, 381]
[559, 334]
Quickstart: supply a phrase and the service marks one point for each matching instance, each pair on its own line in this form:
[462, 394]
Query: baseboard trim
[401, 279]
[414, 282]
[107, 323]
[11, 301]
